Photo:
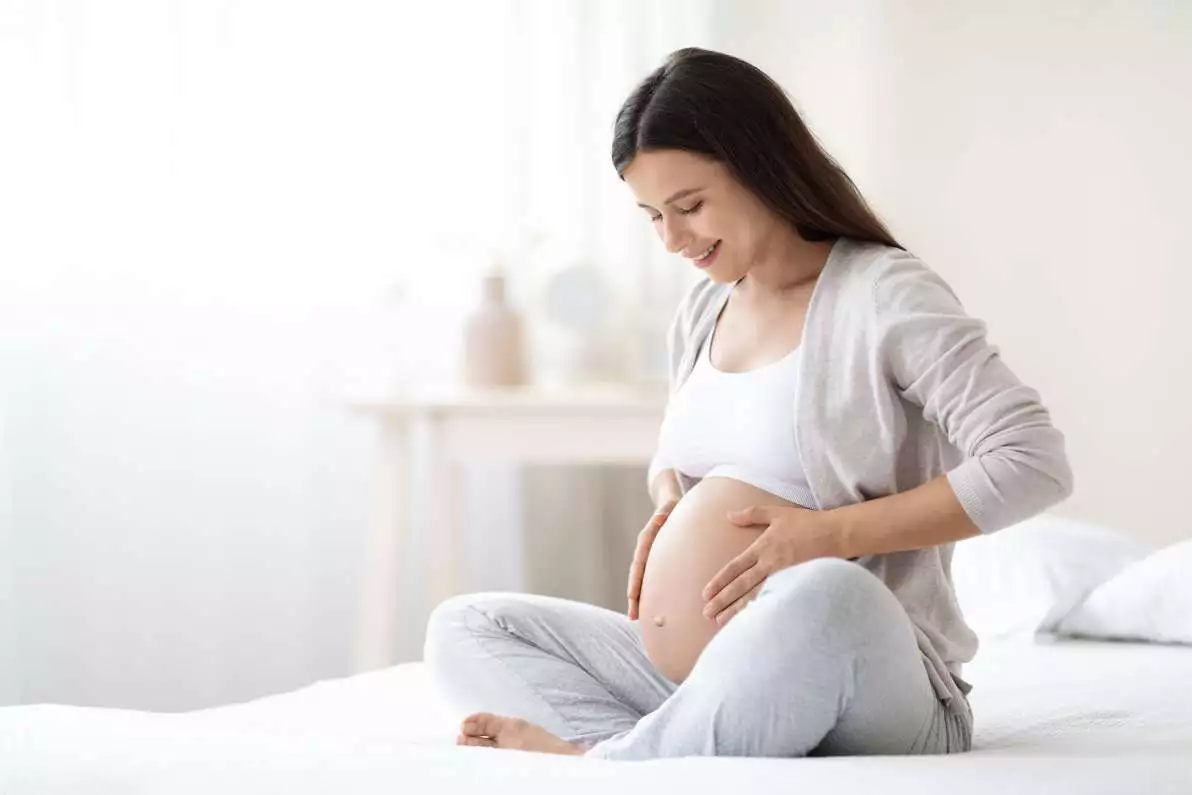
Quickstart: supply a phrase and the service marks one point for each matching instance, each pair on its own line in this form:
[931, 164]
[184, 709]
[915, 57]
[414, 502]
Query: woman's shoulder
[861, 261]
[883, 275]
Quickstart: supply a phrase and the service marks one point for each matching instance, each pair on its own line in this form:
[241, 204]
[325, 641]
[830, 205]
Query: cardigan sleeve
[674, 342]
[1015, 462]
[680, 329]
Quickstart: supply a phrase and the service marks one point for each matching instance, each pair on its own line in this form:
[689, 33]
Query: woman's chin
[719, 275]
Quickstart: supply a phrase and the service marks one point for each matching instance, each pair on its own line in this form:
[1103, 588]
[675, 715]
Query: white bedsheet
[1063, 717]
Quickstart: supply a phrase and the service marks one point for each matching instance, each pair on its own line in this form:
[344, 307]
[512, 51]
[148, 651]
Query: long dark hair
[722, 107]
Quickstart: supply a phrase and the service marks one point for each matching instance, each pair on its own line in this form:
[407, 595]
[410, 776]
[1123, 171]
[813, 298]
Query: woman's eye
[682, 211]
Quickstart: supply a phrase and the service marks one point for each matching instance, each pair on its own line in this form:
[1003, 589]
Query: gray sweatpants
[823, 661]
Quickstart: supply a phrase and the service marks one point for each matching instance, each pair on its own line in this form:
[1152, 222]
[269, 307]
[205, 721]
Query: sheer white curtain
[8, 640]
[207, 210]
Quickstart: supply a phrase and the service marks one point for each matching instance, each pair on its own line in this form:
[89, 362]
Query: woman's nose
[674, 236]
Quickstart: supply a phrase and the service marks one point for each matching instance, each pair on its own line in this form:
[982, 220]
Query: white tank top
[738, 425]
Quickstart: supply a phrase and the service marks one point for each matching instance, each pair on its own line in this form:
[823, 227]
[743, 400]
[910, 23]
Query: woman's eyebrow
[674, 197]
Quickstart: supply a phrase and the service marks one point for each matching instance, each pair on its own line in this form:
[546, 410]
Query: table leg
[384, 591]
[440, 520]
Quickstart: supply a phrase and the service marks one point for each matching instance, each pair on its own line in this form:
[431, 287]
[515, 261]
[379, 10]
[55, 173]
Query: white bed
[1068, 716]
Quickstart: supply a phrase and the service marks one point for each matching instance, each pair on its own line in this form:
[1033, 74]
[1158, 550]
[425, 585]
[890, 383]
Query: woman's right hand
[645, 540]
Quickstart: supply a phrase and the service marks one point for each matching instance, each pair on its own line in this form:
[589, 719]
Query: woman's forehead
[658, 174]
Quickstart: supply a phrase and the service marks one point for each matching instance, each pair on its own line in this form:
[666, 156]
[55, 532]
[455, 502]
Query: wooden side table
[422, 437]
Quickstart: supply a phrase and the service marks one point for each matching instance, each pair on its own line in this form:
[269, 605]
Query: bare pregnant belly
[694, 544]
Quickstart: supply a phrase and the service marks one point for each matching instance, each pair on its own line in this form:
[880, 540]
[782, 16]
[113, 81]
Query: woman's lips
[707, 261]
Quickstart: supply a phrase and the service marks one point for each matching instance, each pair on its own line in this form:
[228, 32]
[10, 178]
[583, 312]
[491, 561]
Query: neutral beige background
[1038, 156]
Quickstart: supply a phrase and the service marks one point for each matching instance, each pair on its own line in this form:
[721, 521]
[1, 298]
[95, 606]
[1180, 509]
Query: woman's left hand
[792, 535]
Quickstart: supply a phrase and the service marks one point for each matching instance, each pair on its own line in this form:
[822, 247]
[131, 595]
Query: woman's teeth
[709, 250]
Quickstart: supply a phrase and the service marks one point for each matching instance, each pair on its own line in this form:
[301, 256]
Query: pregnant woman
[836, 422]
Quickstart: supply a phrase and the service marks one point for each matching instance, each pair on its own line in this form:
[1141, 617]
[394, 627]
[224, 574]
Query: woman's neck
[788, 265]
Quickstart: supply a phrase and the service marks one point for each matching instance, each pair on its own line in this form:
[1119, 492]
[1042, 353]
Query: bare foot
[496, 731]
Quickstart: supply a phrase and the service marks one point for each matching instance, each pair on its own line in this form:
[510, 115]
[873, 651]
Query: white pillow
[1021, 581]
[1149, 600]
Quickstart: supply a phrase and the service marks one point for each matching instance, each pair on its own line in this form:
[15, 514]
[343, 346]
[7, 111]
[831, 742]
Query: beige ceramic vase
[494, 345]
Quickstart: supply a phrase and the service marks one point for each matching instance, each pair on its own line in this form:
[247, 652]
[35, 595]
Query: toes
[483, 724]
[479, 742]
[483, 729]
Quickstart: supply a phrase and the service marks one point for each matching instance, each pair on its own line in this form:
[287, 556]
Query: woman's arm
[1013, 466]
[926, 516]
[921, 517]
[938, 357]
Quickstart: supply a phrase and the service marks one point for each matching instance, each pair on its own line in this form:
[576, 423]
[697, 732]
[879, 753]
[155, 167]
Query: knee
[822, 575]
[457, 617]
[823, 590]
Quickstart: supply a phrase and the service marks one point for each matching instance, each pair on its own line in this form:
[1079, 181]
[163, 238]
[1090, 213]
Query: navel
[659, 621]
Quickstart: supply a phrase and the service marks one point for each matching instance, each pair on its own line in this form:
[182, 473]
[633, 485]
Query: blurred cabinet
[423, 438]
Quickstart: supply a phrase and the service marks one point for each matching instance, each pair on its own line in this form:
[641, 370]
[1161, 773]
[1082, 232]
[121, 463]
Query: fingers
[637, 569]
[731, 571]
[736, 589]
[753, 515]
[739, 605]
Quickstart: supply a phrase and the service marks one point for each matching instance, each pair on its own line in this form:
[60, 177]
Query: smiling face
[701, 212]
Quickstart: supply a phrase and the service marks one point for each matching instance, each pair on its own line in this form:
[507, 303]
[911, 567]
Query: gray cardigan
[899, 386]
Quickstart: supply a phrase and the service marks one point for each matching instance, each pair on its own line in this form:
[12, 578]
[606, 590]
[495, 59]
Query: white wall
[9, 686]
[1037, 156]
[205, 208]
